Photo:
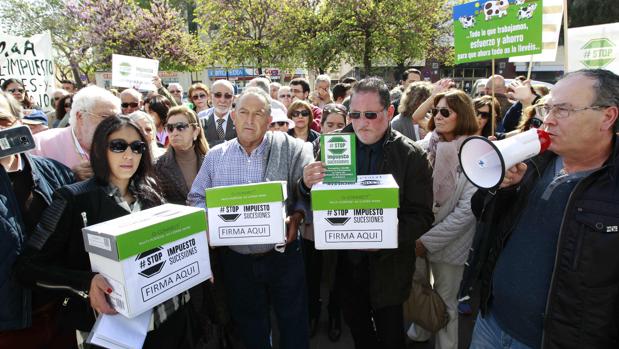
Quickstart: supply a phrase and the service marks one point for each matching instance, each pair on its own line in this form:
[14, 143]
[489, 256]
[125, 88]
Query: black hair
[374, 84]
[300, 81]
[349, 80]
[161, 106]
[143, 184]
[60, 110]
[340, 89]
[68, 82]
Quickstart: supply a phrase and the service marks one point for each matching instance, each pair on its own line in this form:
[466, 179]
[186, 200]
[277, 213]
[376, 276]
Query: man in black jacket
[550, 273]
[373, 285]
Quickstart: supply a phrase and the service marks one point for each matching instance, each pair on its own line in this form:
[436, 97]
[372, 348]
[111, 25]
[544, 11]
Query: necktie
[220, 129]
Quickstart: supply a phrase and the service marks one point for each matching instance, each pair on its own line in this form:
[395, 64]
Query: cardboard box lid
[135, 233]
[370, 191]
[246, 194]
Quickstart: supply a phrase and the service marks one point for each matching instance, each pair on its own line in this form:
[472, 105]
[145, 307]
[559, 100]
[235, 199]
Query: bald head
[499, 84]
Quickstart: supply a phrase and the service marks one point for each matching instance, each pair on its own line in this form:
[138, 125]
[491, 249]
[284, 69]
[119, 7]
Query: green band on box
[355, 198]
[259, 193]
[144, 239]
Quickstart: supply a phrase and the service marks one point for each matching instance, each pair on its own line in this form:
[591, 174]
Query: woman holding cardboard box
[447, 243]
[55, 260]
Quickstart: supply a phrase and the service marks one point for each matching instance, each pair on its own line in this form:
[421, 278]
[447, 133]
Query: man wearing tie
[218, 127]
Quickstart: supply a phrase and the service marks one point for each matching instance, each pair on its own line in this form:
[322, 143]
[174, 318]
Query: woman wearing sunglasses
[55, 259]
[199, 95]
[63, 111]
[447, 243]
[483, 111]
[17, 89]
[178, 167]
[301, 113]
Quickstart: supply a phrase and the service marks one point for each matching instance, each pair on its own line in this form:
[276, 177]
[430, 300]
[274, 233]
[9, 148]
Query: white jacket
[450, 238]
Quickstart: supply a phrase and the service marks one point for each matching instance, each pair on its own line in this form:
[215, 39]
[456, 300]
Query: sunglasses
[225, 95]
[303, 113]
[285, 96]
[536, 123]
[279, 123]
[198, 96]
[445, 112]
[67, 105]
[174, 91]
[13, 90]
[179, 126]
[484, 114]
[127, 105]
[370, 115]
[120, 145]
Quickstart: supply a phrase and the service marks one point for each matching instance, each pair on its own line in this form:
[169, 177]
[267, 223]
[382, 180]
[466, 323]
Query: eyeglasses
[174, 91]
[536, 123]
[370, 115]
[561, 112]
[198, 96]
[179, 126]
[120, 145]
[127, 105]
[445, 112]
[279, 123]
[483, 114]
[303, 113]
[13, 90]
[225, 95]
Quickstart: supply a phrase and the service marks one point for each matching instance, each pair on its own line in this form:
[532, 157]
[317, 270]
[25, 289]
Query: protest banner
[594, 47]
[552, 14]
[30, 61]
[485, 30]
[133, 72]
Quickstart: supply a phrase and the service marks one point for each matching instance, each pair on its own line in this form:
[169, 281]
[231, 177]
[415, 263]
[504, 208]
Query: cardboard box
[247, 214]
[358, 216]
[150, 256]
[338, 152]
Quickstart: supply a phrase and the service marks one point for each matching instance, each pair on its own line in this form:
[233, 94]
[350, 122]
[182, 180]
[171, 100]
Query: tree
[73, 55]
[244, 32]
[123, 27]
[591, 12]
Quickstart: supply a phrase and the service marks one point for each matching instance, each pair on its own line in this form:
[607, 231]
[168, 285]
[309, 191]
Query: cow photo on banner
[30, 61]
[485, 30]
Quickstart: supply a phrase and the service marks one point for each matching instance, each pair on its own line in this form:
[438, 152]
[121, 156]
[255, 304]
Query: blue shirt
[523, 272]
[229, 164]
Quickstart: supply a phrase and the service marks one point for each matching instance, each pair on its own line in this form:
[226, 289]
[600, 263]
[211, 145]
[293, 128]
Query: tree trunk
[399, 70]
[76, 74]
[367, 55]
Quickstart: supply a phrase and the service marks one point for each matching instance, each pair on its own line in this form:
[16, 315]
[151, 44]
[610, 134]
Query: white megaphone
[484, 162]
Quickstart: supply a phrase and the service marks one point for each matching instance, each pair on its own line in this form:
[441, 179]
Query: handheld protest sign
[338, 152]
[485, 30]
[133, 72]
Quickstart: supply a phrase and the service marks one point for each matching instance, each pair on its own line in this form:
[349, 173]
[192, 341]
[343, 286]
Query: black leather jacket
[582, 308]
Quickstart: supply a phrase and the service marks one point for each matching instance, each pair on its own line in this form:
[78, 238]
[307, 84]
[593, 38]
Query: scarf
[443, 156]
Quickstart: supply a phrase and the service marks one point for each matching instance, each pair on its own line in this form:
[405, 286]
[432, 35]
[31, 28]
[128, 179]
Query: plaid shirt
[225, 165]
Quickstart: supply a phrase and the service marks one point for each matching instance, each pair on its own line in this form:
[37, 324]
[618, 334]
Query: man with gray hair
[71, 145]
[130, 101]
[216, 122]
[176, 91]
[56, 95]
[257, 277]
[500, 92]
[263, 84]
[26, 186]
[549, 263]
[274, 89]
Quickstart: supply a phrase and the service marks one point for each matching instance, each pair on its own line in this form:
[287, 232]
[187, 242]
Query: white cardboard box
[150, 256]
[362, 215]
[247, 214]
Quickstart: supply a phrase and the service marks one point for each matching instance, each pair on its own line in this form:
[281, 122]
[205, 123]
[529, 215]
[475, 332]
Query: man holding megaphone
[550, 271]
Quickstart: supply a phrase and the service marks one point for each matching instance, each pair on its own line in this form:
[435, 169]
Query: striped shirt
[229, 164]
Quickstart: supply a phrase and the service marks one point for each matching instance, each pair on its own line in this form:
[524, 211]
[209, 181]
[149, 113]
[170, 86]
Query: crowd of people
[538, 251]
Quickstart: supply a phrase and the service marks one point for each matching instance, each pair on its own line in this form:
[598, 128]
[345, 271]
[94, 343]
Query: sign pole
[493, 126]
[530, 66]
[565, 50]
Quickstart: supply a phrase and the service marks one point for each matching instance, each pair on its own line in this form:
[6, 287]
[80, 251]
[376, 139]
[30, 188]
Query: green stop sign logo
[598, 53]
